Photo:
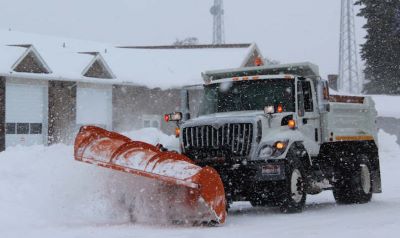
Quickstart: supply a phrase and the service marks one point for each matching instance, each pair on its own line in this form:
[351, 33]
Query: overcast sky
[285, 30]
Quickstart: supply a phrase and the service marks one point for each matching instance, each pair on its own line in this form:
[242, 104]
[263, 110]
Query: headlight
[266, 152]
[276, 150]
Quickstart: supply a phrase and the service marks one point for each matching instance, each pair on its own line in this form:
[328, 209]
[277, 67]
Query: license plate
[271, 169]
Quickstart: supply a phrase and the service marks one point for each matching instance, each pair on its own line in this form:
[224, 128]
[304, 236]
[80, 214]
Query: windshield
[248, 96]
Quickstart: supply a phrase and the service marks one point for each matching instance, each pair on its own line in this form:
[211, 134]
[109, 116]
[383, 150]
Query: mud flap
[376, 179]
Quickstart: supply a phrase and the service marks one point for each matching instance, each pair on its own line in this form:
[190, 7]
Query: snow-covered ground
[45, 193]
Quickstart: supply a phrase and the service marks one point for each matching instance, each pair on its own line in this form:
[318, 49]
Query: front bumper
[253, 172]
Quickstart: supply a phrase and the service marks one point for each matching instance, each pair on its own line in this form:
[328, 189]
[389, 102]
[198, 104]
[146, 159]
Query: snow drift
[44, 185]
[44, 191]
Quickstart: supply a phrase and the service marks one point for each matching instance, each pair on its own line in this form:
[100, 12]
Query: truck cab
[275, 134]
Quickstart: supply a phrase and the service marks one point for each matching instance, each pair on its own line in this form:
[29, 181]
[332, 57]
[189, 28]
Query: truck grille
[234, 139]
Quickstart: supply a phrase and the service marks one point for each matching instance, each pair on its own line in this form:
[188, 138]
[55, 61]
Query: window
[35, 128]
[13, 128]
[10, 128]
[22, 128]
[308, 98]
[155, 124]
[300, 99]
[146, 123]
[151, 124]
[248, 96]
[151, 121]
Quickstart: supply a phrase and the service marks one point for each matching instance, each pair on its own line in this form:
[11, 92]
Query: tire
[294, 188]
[355, 184]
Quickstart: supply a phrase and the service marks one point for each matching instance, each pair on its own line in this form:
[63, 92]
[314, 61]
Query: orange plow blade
[197, 191]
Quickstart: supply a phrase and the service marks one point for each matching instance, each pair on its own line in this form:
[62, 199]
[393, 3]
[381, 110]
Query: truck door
[308, 116]
[191, 99]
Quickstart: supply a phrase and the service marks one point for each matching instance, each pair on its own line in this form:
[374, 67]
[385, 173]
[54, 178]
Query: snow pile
[385, 105]
[389, 150]
[45, 193]
[154, 136]
[42, 186]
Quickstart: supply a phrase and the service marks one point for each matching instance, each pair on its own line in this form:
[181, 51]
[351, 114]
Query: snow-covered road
[44, 193]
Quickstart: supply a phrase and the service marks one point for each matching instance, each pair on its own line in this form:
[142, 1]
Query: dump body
[350, 118]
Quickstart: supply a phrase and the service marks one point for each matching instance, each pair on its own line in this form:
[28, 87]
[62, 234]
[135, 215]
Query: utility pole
[217, 10]
[349, 78]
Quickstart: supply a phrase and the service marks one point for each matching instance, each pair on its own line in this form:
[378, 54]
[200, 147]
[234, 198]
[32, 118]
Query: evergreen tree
[381, 50]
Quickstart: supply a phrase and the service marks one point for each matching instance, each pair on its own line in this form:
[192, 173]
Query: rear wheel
[355, 185]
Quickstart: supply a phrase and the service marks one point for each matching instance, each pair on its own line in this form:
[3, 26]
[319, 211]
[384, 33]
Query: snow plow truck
[270, 135]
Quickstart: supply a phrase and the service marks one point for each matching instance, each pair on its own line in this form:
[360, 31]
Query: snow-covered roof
[151, 66]
[8, 57]
[171, 67]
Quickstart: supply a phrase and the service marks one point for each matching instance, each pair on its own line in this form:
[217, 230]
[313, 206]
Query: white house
[50, 86]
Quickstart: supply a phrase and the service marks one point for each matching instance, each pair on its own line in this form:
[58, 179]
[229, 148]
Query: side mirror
[175, 116]
[268, 110]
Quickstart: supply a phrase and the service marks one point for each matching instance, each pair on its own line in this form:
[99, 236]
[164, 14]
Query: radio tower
[217, 10]
[349, 79]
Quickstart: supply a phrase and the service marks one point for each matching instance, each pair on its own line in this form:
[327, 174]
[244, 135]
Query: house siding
[62, 112]
[2, 113]
[131, 103]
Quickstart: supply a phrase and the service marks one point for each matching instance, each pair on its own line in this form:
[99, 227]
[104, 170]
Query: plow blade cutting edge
[194, 190]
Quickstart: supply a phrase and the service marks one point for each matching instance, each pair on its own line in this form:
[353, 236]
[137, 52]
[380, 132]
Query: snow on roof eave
[99, 57]
[199, 46]
[52, 77]
[30, 49]
[253, 48]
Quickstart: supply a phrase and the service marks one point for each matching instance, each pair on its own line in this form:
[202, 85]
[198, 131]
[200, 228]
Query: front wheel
[294, 194]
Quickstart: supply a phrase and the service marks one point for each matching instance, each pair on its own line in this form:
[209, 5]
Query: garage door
[94, 106]
[25, 114]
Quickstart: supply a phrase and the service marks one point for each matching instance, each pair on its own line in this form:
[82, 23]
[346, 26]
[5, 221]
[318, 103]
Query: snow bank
[386, 105]
[44, 186]
[154, 136]
[45, 193]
